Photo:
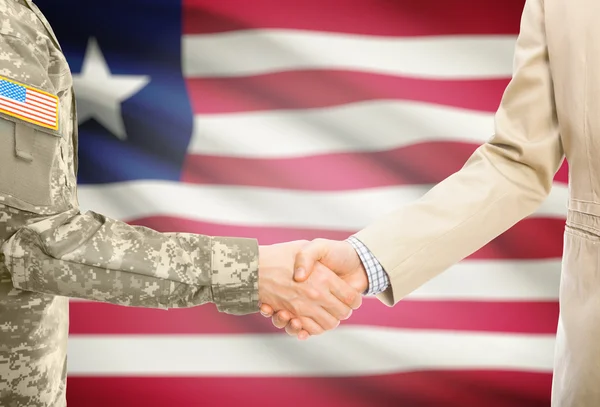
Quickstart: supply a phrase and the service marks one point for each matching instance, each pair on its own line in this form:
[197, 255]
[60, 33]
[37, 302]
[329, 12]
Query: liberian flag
[286, 120]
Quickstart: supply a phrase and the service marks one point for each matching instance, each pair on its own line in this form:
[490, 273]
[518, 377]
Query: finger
[306, 258]
[345, 293]
[266, 310]
[303, 335]
[328, 289]
[322, 318]
[281, 319]
[311, 327]
[336, 308]
[294, 327]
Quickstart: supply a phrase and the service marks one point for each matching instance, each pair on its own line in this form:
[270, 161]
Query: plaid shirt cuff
[378, 278]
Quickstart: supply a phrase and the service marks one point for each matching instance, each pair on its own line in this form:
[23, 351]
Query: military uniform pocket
[28, 159]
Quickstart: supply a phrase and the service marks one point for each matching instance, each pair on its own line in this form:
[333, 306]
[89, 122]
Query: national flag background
[296, 119]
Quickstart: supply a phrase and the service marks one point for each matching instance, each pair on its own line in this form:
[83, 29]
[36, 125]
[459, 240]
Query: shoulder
[25, 47]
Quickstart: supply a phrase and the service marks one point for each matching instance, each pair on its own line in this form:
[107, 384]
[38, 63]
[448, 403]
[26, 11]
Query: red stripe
[42, 98]
[33, 105]
[28, 104]
[533, 318]
[26, 112]
[416, 389]
[532, 238]
[24, 108]
[371, 17]
[323, 88]
[425, 163]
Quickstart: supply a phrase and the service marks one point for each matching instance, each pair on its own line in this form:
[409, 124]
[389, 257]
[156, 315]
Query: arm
[505, 180]
[48, 246]
[92, 257]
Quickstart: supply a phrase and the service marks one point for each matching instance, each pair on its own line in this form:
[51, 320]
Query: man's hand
[338, 256]
[317, 303]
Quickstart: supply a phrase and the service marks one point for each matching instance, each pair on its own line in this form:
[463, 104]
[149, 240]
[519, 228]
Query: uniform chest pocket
[29, 178]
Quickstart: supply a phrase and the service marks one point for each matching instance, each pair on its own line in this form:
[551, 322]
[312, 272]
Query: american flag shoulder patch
[28, 103]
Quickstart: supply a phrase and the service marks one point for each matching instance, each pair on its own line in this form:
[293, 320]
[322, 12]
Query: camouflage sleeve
[93, 257]
[47, 244]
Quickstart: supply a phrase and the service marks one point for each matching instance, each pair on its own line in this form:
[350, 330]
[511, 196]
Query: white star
[100, 93]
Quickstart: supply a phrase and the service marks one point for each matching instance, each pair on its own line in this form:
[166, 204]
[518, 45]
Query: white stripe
[490, 280]
[495, 280]
[25, 113]
[11, 108]
[43, 98]
[49, 113]
[347, 351]
[252, 206]
[253, 52]
[363, 126]
[47, 108]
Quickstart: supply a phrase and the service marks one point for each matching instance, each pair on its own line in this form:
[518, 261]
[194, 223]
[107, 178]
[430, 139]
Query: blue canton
[159, 119]
[12, 91]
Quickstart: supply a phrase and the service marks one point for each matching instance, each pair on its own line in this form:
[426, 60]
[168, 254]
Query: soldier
[51, 251]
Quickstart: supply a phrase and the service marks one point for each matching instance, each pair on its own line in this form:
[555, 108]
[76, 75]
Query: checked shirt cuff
[378, 278]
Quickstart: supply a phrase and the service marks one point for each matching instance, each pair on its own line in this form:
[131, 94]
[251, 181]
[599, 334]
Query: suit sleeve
[504, 181]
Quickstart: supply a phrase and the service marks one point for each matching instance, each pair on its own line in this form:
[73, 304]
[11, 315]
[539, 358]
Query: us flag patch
[29, 104]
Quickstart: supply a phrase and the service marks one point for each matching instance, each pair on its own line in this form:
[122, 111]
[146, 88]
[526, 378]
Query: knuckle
[296, 325]
[296, 306]
[313, 294]
[350, 298]
[275, 322]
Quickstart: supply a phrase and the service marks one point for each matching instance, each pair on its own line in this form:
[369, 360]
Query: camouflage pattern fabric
[51, 251]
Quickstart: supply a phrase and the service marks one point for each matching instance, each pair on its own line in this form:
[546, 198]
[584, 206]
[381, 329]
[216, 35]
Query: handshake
[309, 287]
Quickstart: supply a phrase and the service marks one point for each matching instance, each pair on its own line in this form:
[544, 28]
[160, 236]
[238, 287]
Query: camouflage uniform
[51, 251]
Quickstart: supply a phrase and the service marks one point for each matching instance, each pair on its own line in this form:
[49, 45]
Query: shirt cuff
[376, 275]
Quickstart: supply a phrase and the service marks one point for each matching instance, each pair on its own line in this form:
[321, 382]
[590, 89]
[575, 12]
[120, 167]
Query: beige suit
[550, 109]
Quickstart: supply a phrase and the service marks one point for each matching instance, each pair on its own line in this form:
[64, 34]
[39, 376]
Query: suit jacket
[550, 109]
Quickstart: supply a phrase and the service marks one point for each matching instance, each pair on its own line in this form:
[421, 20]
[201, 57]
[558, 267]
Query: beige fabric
[550, 109]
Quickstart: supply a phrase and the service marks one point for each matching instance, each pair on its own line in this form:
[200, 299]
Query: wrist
[359, 280]
[234, 275]
[262, 255]
[363, 279]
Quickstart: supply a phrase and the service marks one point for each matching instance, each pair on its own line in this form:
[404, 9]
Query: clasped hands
[309, 287]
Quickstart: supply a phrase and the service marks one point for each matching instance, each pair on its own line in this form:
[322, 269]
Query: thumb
[307, 257]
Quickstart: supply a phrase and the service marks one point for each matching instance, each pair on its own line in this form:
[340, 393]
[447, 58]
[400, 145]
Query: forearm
[505, 180]
[93, 257]
[457, 217]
